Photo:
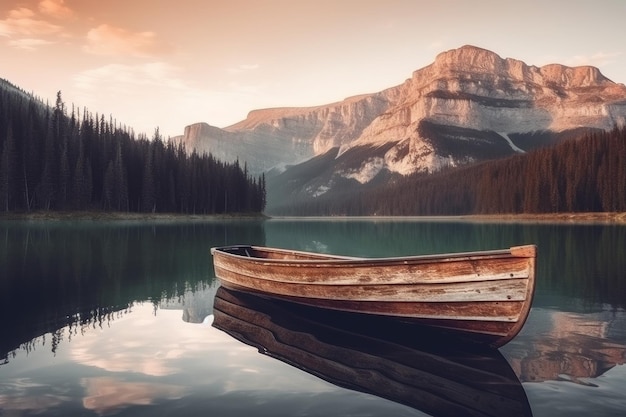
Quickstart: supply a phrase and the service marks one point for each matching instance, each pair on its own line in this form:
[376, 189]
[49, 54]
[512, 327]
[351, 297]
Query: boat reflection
[383, 358]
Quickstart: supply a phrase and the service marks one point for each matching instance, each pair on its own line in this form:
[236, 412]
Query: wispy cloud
[28, 44]
[45, 23]
[165, 93]
[249, 89]
[55, 8]
[30, 28]
[110, 40]
[599, 59]
[120, 77]
[436, 45]
[22, 22]
[243, 68]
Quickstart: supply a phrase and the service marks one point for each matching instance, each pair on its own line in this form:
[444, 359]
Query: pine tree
[64, 177]
[82, 181]
[8, 171]
[148, 198]
[46, 188]
[120, 182]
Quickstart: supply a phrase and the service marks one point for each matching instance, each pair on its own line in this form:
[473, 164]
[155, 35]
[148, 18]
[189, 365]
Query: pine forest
[55, 159]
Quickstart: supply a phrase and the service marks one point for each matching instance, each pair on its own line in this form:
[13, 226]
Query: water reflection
[105, 395]
[430, 374]
[564, 346]
[87, 308]
[61, 277]
[195, 305]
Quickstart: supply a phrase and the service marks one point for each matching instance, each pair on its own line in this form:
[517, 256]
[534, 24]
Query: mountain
[271, 138]
[468, 105]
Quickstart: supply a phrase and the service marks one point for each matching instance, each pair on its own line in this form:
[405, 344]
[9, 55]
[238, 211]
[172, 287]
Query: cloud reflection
[150, 358]
[24, 395]
[106, 395]
[134, 345]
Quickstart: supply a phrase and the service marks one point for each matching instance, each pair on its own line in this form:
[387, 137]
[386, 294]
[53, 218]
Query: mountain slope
[464, 92]
[583, 175]
[469, 105]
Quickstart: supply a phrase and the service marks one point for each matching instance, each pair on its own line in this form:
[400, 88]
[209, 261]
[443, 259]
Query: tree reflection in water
[60, 278]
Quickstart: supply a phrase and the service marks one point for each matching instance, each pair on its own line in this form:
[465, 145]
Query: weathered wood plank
[477, 311]
[504, 290]
[508, 312]
[400, 273]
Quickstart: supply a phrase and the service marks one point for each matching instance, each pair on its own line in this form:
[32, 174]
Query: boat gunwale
[350, 260]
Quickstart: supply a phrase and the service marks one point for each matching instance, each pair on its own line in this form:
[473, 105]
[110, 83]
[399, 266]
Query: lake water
[117, 318]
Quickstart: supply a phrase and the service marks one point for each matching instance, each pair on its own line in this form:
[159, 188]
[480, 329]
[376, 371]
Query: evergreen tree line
[587, 174]
[50, 160]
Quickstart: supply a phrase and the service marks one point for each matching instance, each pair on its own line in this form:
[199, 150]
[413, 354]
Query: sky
[167, 64]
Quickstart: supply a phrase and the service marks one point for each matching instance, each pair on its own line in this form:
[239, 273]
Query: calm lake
[117, 318]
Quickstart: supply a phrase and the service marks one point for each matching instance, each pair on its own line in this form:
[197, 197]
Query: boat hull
[484, 294]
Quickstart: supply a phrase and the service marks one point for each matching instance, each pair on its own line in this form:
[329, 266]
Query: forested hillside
[52, 159]
[587, 174]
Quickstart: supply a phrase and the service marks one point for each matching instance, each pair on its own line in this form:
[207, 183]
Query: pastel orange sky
[167, 64]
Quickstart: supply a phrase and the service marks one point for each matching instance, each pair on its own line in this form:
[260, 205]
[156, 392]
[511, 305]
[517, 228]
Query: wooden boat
[427, 374]
[484, 295]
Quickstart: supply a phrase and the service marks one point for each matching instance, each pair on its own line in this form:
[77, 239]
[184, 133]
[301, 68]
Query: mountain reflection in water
[567, 346]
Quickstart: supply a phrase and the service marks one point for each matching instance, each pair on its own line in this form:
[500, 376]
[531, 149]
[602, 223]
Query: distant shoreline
[617, 218]
[120, 216]
[594, 217]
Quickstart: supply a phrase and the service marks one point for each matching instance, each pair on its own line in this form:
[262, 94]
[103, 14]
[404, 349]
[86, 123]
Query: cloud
[243, 68]
[251, 89]
[21, 13]
[29, 30]
[599, 59]
[436, 45]
[55, 8]
[114, 77]
[23, 22]
[153, 94]
[28, 44]
[110, 40]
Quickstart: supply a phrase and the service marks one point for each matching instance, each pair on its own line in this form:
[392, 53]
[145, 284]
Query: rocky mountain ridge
[469, 104]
